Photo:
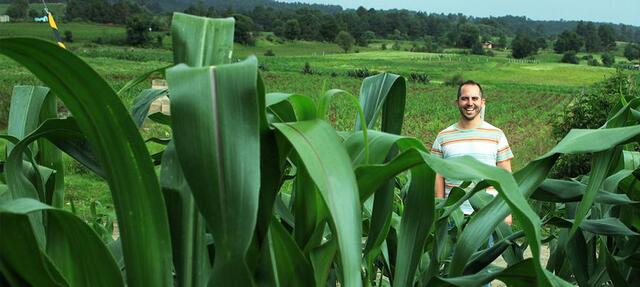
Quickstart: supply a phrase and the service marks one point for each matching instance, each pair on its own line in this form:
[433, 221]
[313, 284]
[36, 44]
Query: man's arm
[439, 188]
[506, 165]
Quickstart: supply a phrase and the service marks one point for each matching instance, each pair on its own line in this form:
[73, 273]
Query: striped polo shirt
[485, 143]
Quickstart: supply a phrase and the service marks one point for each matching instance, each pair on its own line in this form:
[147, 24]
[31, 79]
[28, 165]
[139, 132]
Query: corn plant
[258, 188]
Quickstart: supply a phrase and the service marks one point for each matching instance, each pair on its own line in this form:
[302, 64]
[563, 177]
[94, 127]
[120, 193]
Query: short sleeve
[436, 149]
[504, 151]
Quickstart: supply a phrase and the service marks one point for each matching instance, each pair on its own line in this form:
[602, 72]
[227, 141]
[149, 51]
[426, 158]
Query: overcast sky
[613, 11]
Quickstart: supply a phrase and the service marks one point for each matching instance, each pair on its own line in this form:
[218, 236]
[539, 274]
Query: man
[471, 136]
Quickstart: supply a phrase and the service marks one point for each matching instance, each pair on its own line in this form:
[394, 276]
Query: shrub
[263, 67]
[68, 36]
[454, 80]
[490, 53]
[269, 53]
[361, 73]
[383, 46]
[307, 70]
[333, 74]
[570, 57]
[587, 57]
[608, 59]
[593, 62]
[422, 78]
[589, 110]
[396, 46]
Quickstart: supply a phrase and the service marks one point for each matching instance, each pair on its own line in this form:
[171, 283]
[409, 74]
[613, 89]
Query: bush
[396, 46]
[68, 36]
[333, 74]
[608, 59]
[454, 80]
[263, 67]
[593, 62]
[587, 57]
[422, 78]
[589, 110]
[490, 53]
[307, 70]
[570, 57]
[383, 47]
[269, 53]
[138, 28]
[361, 73]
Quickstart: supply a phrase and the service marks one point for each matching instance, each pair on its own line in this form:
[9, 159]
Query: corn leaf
[216, 132]
[329, 166]
[120, 150]
[200, 42]
[74, 256]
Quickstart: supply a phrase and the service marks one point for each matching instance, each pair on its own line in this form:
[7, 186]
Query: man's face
[470, 102]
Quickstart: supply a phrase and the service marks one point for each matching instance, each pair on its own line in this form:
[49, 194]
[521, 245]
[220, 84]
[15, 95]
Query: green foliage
[18, 9]
[522, 46]
[307, 70]
[593, 62]
[68, 36]
[568, 41]
[589, 110]
[361, 73]
[570, 57]
[421, 78]
[344, 40]
[632, 52]
[138, 28]
[269, 53]
[244, 30]
[608, 59]
[454, 80]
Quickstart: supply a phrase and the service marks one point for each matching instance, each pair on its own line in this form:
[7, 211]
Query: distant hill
[244, 5]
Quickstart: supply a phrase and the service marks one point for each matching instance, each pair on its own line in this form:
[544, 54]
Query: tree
[18, 9]
[328, 28]
[468, 35]
[608, 59]
[477, 49]
[365, 38]
[591, 38]
[244, 30]
[632, 52]
[570, 57]
[522, 46]
[502, 41]
[607, 37]
[138, 28]
[33, 13]
[292, 29]
[541, 43]
[568, 41]
[345, 40]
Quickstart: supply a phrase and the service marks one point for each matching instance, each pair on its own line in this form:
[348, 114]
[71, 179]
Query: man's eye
[475, 98]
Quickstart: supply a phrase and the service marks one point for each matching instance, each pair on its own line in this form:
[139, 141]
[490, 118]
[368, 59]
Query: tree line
[431, 31]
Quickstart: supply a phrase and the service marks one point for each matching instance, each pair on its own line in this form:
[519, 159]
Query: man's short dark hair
[470, 82]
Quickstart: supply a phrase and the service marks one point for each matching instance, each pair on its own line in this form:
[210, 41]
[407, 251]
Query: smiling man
[471, 136]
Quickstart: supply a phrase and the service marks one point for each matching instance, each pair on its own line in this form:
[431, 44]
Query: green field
[57, 9]
[522, 98]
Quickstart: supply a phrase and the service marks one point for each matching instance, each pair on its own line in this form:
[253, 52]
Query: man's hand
[508, 220]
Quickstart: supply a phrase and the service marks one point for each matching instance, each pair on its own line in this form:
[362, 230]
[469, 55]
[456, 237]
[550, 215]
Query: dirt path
[544, 257]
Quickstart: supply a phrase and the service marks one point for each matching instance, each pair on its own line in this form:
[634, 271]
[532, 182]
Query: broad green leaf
[321, 260]
[142, 103]
[200, 42]
[74, 256]
[50, 156]
[24, 114]
[329, 166]
[105, 122]
[290, 107]
[555, 190]
[216, 132]
[383, 94]
[190, 255]
[604, 226]
[289, 265]
[134, 82]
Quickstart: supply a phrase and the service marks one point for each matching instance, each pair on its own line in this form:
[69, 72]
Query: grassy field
[522, 98]
[57, 9]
